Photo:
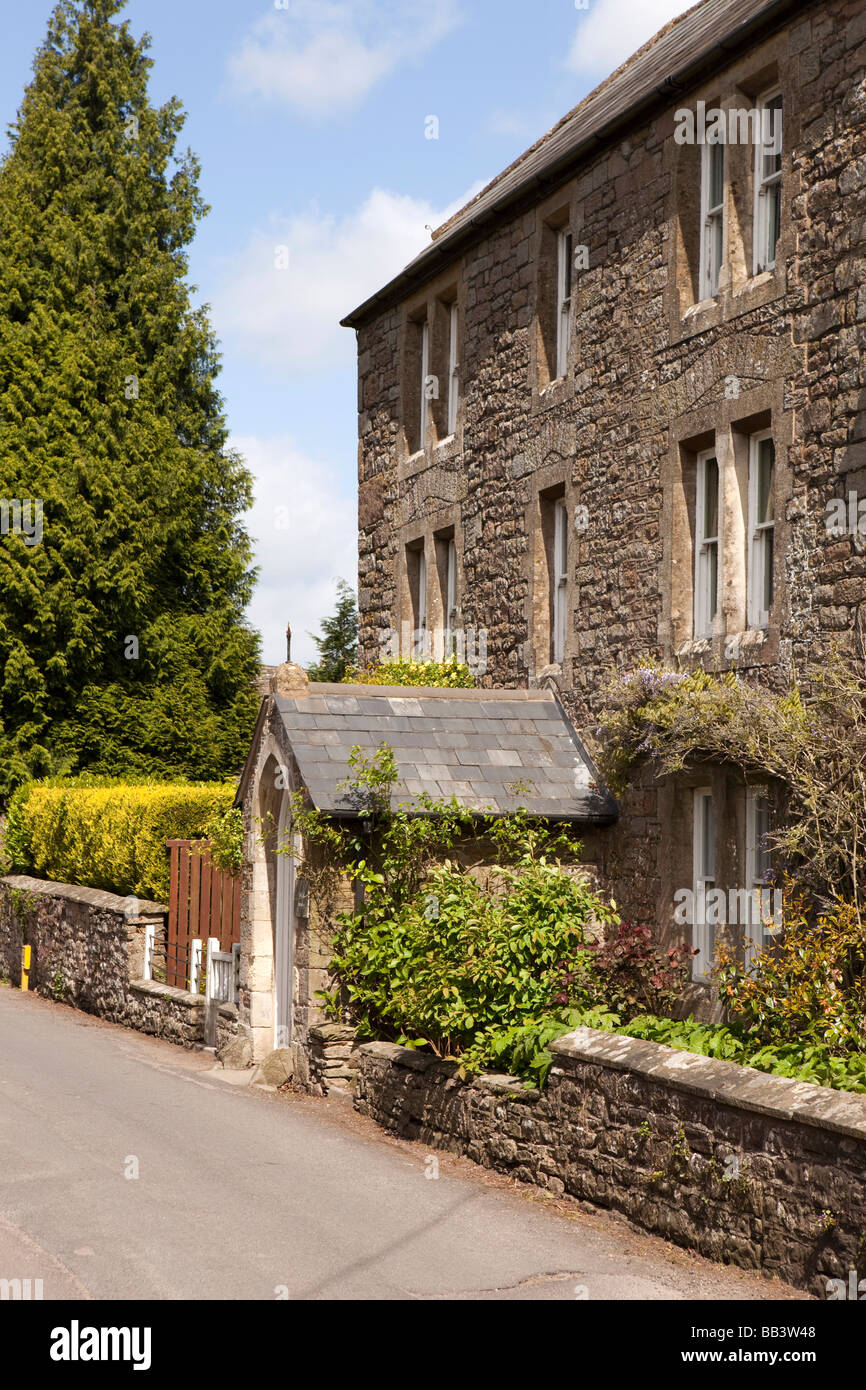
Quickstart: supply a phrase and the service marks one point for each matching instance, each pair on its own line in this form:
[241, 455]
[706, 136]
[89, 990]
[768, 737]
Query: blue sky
[309, 119]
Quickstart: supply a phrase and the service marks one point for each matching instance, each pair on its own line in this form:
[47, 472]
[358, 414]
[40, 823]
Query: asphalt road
[242, 1194]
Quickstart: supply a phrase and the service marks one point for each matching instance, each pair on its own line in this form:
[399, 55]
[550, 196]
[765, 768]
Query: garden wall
[749, 1169]
[88, 951]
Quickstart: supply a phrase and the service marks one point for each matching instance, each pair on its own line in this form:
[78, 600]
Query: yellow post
[25, 967]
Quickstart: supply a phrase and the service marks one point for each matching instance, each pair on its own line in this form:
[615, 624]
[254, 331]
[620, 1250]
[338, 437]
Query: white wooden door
[284, 932]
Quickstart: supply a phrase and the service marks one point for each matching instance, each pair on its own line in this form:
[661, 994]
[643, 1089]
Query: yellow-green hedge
[409, 671]
[110, 837]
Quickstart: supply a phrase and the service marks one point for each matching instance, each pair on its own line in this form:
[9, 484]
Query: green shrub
[809, 983]
[107, 834]
[438, 952]
[225, 834]
[461, 955]
[809, 742]
[523, 1050]
[450, 672]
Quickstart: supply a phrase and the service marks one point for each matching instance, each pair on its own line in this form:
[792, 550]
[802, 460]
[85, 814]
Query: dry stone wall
[87, 950]
[742, 1167]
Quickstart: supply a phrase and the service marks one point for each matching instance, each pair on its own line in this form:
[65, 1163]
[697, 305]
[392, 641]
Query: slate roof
[472, 744]
[678, 57]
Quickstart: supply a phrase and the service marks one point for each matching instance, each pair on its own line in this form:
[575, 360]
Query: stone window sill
[737, 648]
[555, 393]
[731, 303]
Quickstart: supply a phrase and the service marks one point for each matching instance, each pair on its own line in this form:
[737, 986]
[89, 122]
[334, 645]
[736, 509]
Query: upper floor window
[446, 570]
[706, 543]
[425, 381]
[762, 467]
[560, 582]
[712, 218]
[565, 242]
[416, 569]
[453, 369]
[451, 594]
[768, 181]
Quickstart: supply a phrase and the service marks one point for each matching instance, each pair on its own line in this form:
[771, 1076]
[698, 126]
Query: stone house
[491, 750]
[604, 415]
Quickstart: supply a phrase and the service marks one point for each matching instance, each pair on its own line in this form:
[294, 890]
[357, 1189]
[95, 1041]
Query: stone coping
[93, 897]
[159, 990]
[163, 991]
[725, 1083]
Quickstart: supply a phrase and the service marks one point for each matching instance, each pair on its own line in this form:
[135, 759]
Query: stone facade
[753, 1170]
[655, 377]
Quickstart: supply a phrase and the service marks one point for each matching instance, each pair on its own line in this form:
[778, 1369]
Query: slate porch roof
[472, 744]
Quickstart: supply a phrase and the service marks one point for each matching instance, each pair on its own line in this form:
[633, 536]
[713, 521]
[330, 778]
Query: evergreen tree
[338, 648]
[123, 645]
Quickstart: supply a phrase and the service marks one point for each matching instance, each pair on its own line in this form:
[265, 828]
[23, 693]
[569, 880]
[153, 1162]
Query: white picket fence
[222, 980]
[222, 976]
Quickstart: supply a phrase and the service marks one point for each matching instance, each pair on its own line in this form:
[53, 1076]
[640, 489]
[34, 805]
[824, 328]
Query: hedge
[408, 671]
[108, 835]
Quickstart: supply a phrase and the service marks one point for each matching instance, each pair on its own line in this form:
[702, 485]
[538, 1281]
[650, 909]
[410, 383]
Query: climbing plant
[810, 740]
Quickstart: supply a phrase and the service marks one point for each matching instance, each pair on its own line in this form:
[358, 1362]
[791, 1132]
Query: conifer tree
[123, 646]
[338, 647]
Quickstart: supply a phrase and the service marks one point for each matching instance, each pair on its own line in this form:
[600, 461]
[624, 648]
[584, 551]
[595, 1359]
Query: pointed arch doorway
[284, 929]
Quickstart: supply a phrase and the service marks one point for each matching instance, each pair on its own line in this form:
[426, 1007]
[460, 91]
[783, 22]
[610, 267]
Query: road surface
[130, 1168]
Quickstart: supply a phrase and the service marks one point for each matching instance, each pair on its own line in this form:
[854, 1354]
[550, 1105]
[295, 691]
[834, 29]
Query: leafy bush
[463, 955]
[106, 834]
[632, 976]
[803, 1061]
[809, 983]
[523, 1050]
[438, 952]
[450, 672]
[224, 832]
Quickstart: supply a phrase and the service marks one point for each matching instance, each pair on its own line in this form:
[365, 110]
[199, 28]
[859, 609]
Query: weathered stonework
[334, 1057]
[87, 950]
[654, 376]
[745, 1168]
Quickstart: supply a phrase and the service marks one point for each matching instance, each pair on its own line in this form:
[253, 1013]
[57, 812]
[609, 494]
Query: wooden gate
[204, 902]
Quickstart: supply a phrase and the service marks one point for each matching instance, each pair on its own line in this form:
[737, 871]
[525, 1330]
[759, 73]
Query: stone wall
[87, 950]
[749, 1169]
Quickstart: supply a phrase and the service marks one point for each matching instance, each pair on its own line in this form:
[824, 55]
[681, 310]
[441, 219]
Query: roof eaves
[464, 231]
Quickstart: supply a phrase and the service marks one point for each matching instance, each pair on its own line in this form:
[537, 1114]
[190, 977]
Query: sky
[311, 121]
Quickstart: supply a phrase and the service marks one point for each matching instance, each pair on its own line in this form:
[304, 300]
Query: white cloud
[608, 35]
[301, 550]
[322, 57]
[289, 319]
